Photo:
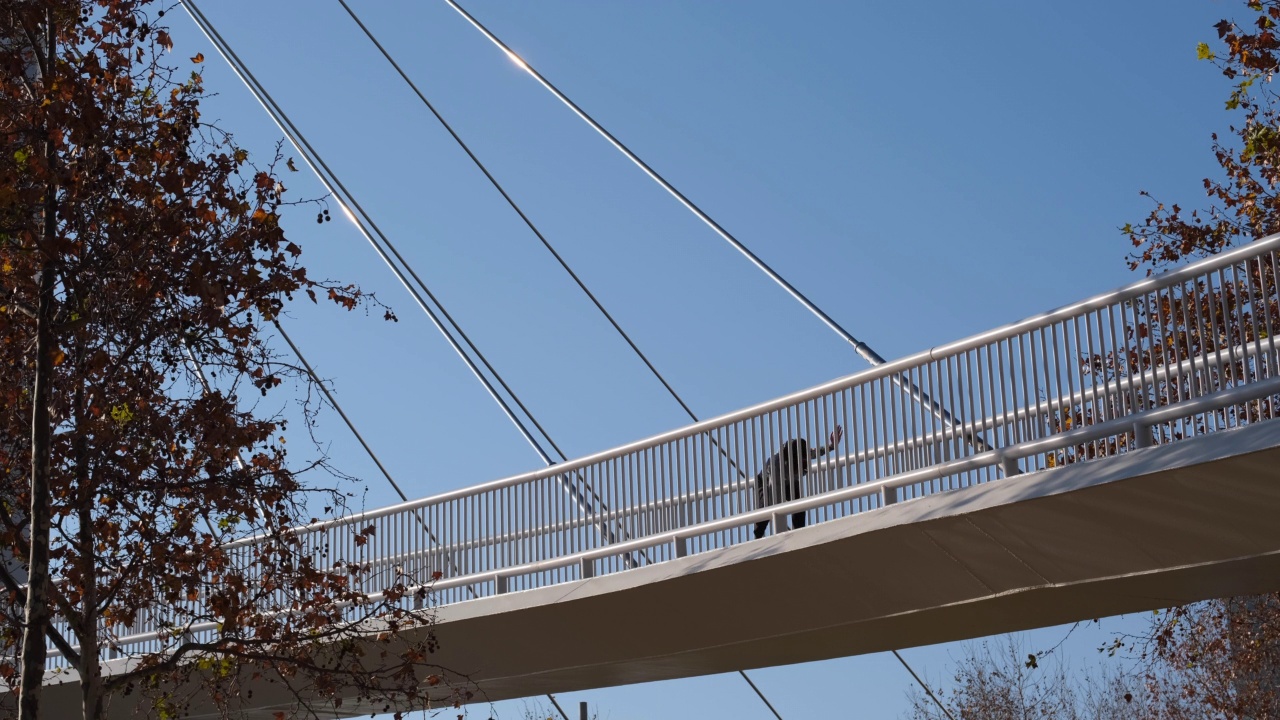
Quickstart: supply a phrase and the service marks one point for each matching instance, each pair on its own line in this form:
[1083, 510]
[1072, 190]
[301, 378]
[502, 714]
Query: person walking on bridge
[781, 479]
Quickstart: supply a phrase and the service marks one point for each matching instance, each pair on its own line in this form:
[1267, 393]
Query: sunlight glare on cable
[517, 60]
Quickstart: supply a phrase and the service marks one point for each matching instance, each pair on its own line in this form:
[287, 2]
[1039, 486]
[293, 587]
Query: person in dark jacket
[783, 474]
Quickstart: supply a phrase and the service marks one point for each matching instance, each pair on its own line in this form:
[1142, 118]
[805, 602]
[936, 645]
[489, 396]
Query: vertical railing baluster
[1272, 362]
[1214, 341]
[1212, 372]
[1006, 436]
[1247, 331]
[880, 440]
[977, 387]
[1168, 343]
[955, 400]
[1075, 353]
[1254, 339]
[1106, 341]
[1116, 398]
[1091, 373]
[1026, 356]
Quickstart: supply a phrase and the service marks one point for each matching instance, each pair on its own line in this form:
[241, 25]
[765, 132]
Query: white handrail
[692, 482]
[895, 367]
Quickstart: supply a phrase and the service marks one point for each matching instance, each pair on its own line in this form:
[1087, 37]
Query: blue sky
[922, 171]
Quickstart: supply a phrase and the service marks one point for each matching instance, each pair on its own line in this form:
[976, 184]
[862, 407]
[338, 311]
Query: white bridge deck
[1114, 455]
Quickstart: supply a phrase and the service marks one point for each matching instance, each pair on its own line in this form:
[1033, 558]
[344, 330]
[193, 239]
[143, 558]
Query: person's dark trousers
[797, 522]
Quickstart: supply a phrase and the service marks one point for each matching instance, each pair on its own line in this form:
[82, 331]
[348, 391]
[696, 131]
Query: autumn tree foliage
[993, 680]
[1243, 202]
[141, 257]
[1220, 659]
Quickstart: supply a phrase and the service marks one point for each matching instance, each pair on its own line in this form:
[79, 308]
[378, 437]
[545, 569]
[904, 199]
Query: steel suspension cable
[514, 206]
[534, 229]
[547, 244]
[324, 389]
[860, 347]
[348, 201]
[929, 692]
[373, 456]
[334, 186]
[196, 366]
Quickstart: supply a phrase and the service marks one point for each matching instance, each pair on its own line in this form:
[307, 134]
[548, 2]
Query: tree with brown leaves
[141, 257]
[992, 681]
[1218, 659]
[1243, 202]
[1221, 659]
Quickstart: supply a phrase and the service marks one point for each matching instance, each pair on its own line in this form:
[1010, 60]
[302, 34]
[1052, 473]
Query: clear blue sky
[923, 171]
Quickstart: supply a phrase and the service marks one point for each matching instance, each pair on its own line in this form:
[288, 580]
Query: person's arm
[832, 441]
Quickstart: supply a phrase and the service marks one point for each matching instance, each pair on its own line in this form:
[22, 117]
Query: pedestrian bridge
[1115, 455]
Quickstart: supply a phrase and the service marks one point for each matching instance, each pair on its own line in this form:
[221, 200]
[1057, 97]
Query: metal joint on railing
[1009, 466]
[1058, 388]
[888, 495]
[1143, 436]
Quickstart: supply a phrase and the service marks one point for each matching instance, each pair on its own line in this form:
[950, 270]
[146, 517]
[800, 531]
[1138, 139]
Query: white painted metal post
[1009, 466]
[1143, 435]
[888, 495]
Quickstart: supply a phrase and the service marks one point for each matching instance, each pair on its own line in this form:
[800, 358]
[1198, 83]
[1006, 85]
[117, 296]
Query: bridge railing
[1185, 353]
[1200, 330]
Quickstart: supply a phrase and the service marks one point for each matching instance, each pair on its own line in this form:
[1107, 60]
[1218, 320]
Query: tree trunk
[91, 691]
[37, 609]
[89, 666]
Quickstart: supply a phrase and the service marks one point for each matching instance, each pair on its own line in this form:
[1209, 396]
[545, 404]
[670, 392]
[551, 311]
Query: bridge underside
[1145, 530]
